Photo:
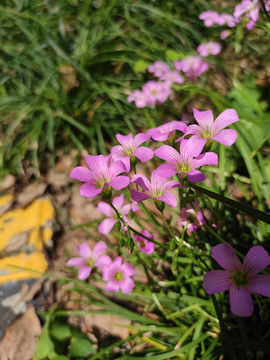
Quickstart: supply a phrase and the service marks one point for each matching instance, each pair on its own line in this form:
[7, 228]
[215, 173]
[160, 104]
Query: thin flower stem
[167, 224]
[264, 10]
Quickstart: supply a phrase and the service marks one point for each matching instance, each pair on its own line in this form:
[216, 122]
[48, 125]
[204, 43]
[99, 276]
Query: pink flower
[155, 91]
[183, 163]
[227, 19]
[224, 34]
[165, 131]
[118, 202]
[118, 276]
[239, 278]
[100, 176]
[158, 68]
[192, 66]
[146, 246]
[210, 129]
[191, 216]
[156, 190]
[208, 48]
[172, 77]
[138, 97]
[131, 148]
[209, 17]
[251, 9]
[89, 259]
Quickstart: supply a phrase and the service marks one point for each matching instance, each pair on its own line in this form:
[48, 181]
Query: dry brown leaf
[30, 193]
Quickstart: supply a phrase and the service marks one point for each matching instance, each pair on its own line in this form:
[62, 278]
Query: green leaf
[81, 348]
[60, 331]
[140, 66]
[175, 55]
[45, 347]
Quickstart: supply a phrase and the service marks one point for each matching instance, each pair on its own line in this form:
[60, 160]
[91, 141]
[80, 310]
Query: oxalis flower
[191, 216]
[101, 176]
[145, 246]
[130, 148]
[210, 129]
[156, 190]
[183, 163]
[167, 131]
[118, 276]
[118, 202]
[89, 258]
[239, 278]
[211, 47]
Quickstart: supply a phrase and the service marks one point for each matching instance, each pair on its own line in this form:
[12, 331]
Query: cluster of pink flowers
[114, 272]
[248, 8]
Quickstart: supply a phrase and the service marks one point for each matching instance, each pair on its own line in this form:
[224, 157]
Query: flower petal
[204, 118]
[240, 301]
[117, 168]
[168, 153]
[125, 140]
[103, 261]
[127, 285]
[227, 117]
[81, 173]
[169, 199]
[84, 272]
[195, 176]
[256, 260]
[105, 209]
[106, 226]
[259, 284]
[209, 158]
[88, 190]
[118, 201]
[226, 257]
[76, 261]
[142, 181]
[128, 270]
[84, 251]
[171, 184]
[226, 137]
[195, 145]
[216, 281]
[112, 286]
[144, 154]
[139, 139]
[120, 182]
[97, 163]
[193, 129]
[98, 249]
[166, 170]
[138, 196]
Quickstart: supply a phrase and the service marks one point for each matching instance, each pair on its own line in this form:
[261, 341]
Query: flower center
[142, 244]
[90, 262]
[240, 278]
[118, 276]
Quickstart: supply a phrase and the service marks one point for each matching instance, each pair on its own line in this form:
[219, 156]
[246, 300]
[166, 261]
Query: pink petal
[226, 137]
[127, 285]
[148, 249]
[111, 286]
[98, 164]
[142, 181]
[81, 173]
[117, 261]
[226, 257]
[88, 190]
[158, 136]
[208, 158]
[84, 272]
[126, 209]
[76, 261]
[118, 201]
[166, 170]
[195, 176]
[171, 184]
[117, 151]
[128, 270]
[144, 154]
[241, 301]
[226, 118]
[168, 153]
[106, 226]
[139, 139]
[204, 118]
[125, 160]
[259, 284]
[105, 209]
[195, 145]
[98, 249]
[193, 129]
[116, 168]
[84, 251]
[169, 199]
[120, 182]
[216, 281]
[256, 260]
[125, 140]
[103, 261]
[138, 196]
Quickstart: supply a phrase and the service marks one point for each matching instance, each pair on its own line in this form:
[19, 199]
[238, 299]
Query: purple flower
[155, 91]
[239, 278]
[209, 17]
[118, 276]
[158, 68]
[156, 190]
[138, 97]
[224, 34]
[183, 163]
[172, 77]
[211, 47]
[210, 129]
[100, 176]
[118, 202]
[131, 147]
[191, 216]
[89, 259]
[165, 131]
[227, 19]
[251, 9]
[192, 66]
[146, 246]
